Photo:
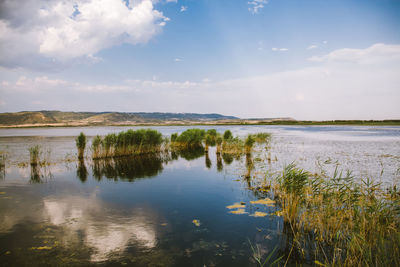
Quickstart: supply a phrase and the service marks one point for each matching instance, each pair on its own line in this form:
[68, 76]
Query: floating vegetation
[196, 222]
[41, 248]
[237, 205]
[259, 214]
[238, 211]
[265, 201]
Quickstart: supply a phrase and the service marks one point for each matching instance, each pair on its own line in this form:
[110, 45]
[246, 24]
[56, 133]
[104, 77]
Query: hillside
[59, 118]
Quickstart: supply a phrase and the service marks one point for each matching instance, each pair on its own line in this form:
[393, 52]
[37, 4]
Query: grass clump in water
[34, 154]
[80, 142]
[127, 143]
[337, 221]
[189, 139]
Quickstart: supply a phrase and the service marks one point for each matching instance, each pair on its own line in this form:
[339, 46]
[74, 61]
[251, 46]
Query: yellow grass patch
[196, 222]
[237, 205]
[266, 201]
[259, 214]
[238, 211]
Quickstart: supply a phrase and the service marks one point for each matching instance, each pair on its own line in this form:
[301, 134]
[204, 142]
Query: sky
[309, 59]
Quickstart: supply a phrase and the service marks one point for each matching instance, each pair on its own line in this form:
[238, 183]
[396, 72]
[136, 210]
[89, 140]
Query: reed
[34, 154]
[337, 221]
[96, 147]
[209, 141]
[80, 142]
[127, 143]
[234, 146]
[248, 143]
[227, 135]
[218, 141]
[189, 139]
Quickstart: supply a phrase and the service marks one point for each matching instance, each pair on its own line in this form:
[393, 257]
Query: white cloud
[374, 54]
[312, 47]
[41, 32]
[343, 90]
[256, 5]
[184, 8]
[177, 60]
[275, 49]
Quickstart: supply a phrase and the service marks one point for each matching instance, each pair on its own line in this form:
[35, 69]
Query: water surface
[140, 211]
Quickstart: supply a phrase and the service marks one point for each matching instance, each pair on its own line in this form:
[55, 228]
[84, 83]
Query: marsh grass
[34, 155]
[189, 139]
[127, 143]
[336, 221]
[80, 142]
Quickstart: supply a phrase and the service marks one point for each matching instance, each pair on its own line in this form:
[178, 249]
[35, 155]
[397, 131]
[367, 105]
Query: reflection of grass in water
[81, 171]
[190, 154]
[128, 168]
[3, 158]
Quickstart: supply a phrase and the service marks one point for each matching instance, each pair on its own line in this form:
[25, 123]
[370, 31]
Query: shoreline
[211, 123]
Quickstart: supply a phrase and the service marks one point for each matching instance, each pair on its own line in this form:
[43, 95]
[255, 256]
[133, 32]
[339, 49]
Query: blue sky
[301, 59]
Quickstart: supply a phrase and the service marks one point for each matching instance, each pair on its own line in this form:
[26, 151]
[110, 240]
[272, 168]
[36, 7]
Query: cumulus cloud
[376, 53]
[184, 8]
[35, 33]
[312, 47]
[256, 5]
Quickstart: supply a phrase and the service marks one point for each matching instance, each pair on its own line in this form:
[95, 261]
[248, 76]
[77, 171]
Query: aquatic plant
[174, 136]
[96, 147]
[336, 221]
[34, 153]
[248, 144]
[81, 144]
[191, 138]
[127, 143]
[257, 256]
[262, 137]
[219, 144]
[208, 142]
[3, 158]
[233, 146]
[228, 135]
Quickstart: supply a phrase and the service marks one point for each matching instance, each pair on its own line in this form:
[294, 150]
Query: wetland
[213, 196]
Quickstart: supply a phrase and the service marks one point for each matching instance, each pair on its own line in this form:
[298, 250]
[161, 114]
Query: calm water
[141, 211]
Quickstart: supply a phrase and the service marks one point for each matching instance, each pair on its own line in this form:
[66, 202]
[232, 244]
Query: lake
[169, 209]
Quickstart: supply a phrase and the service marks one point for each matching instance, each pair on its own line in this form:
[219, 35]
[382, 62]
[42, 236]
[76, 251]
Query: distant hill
[60, 118]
